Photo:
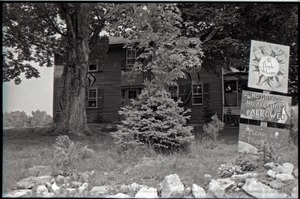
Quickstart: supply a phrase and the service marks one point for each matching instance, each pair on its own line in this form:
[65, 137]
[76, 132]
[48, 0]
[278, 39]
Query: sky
[31, 95]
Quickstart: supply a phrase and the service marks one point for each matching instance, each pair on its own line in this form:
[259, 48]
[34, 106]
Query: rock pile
[272, 183]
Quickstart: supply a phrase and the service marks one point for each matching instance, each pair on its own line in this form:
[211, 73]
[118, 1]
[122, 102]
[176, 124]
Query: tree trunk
[73, 118]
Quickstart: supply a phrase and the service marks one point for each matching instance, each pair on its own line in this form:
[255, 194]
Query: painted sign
[129, 78]
[268, 66]
[266, 107]
[251, 136]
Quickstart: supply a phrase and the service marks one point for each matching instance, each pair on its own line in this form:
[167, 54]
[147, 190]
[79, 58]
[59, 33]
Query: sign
[266, 107]
[268, 66]
[250, 137]
[130, 78]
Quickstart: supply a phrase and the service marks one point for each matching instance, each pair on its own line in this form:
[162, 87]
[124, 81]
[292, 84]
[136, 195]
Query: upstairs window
[94, 66]
[130, 57]
[197, 94]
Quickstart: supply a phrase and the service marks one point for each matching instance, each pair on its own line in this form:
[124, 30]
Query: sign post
[268, 71]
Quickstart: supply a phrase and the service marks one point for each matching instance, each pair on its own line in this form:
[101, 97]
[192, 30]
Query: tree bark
[73, 118]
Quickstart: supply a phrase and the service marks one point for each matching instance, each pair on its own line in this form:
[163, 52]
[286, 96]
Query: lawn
[25, 148]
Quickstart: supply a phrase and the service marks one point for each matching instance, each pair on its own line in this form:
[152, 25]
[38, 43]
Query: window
[233, 91]
[128, 94]
[95, 98]
[130, 57]
[174, 92]
[197, 94]
[93, 67]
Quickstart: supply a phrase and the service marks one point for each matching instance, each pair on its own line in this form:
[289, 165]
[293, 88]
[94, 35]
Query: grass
[25, 148]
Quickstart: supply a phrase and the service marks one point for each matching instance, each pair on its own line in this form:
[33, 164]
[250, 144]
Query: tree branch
[65, 14]
[96, 33]
[54, 26]
[212, 33]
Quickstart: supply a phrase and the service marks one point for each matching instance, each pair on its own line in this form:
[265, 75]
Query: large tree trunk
[73, 118]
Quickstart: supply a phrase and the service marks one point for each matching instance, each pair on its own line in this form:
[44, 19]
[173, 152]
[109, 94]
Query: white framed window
[93, 67]
[197, 93]
[128, 94]
[130, 57]
[174, 91]
[95, 98]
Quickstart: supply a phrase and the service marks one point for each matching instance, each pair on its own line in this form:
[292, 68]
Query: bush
[267, 153]
[156, 120]
[229, 169]
[212, 129]
[246, 162]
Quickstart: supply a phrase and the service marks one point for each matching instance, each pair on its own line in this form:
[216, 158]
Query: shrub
[267, 153]
[156, 120]
[246, 162]
[212, 129]
[229, 169]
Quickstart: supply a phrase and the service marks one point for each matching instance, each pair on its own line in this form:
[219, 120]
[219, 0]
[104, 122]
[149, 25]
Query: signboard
[266, 107]
[250, 137]
[268, 66]
[129, 78]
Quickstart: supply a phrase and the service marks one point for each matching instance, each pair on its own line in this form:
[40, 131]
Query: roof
[116, 40]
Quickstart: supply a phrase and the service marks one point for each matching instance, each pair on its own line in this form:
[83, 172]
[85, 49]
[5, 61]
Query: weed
[212, 130]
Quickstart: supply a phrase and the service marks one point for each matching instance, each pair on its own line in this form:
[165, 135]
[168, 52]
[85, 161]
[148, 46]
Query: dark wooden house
[111, 86]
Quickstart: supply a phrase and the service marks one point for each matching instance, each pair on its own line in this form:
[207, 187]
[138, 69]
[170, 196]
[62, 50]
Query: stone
[118, 195]
[147, 193]
[55, 188]
[124, 188]
[71, 191]
[135, 187]
[240, 184]
[48, 185]
[279, 169]
[284, 177]
[19, 193]
[296, 173]
[198, 192]
[276, 184]
[207, 178]
[288, 167]
[75, 184]
[187, 191]
[40, 171]
[67, 180]
[30, 182]
[172, 187]
[243, 176]
[60, 180]
[271, 173]
[216, 189]
[84, 177]
[99, 191]
[226, 183]
[83, 188]
[42, 191]
[295, 192]
[260, 190]
[270, 165]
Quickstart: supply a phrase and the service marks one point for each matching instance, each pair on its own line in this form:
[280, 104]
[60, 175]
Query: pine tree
[154, 119]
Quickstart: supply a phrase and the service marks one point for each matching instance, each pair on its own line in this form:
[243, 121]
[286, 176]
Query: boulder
[243, 176]
[147, 193]
[99, 191]
[296, 173]
[226, 183]
[198, 192]
[288, 167]
[295, 192]
[42, 191]
[279, 169]
[135, 187]
[83, 188]
[216, 189]
[271, 173]
[270, 165]
[284, 177]
[55, 188]
[118, 195]
[60, 180]
[172, 187]
[30, 182]
[19, 193]
[40, 171]
[276, 184]
[187, 191]
[260, 190]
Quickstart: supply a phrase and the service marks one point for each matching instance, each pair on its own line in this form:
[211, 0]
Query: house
[113, 85]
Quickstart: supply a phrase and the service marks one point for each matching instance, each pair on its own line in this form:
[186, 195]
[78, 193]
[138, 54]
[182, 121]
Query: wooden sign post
[268, 71]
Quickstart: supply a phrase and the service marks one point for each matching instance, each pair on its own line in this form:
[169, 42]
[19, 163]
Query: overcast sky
[31, 95]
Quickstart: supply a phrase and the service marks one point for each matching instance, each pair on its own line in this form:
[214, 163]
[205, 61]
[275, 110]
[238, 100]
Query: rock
[42, 191]
[240, 184]
[71, 191]
[270, 165]
[237, 189]
[226, 183]
[187, 191]
[55, 188]
[276, 184]
[60, 180]
[119, 195]
[83, 188]
[48, 185]
[84, 177]
[271, 173]
[135, 187]
[284, 177]
[243, 176]
[215, 188]
[99, 191]
[124, 188]
[260, 190]
[147, 193]
[279, 169]
[40, 171]
[75, 184]
[172, 187]
[67, 179]
[207, 178]
[198, 192]
[30, 182]
[288, 167]
[295, 192]
[75, 177]
[19, 193]
[296, 173]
